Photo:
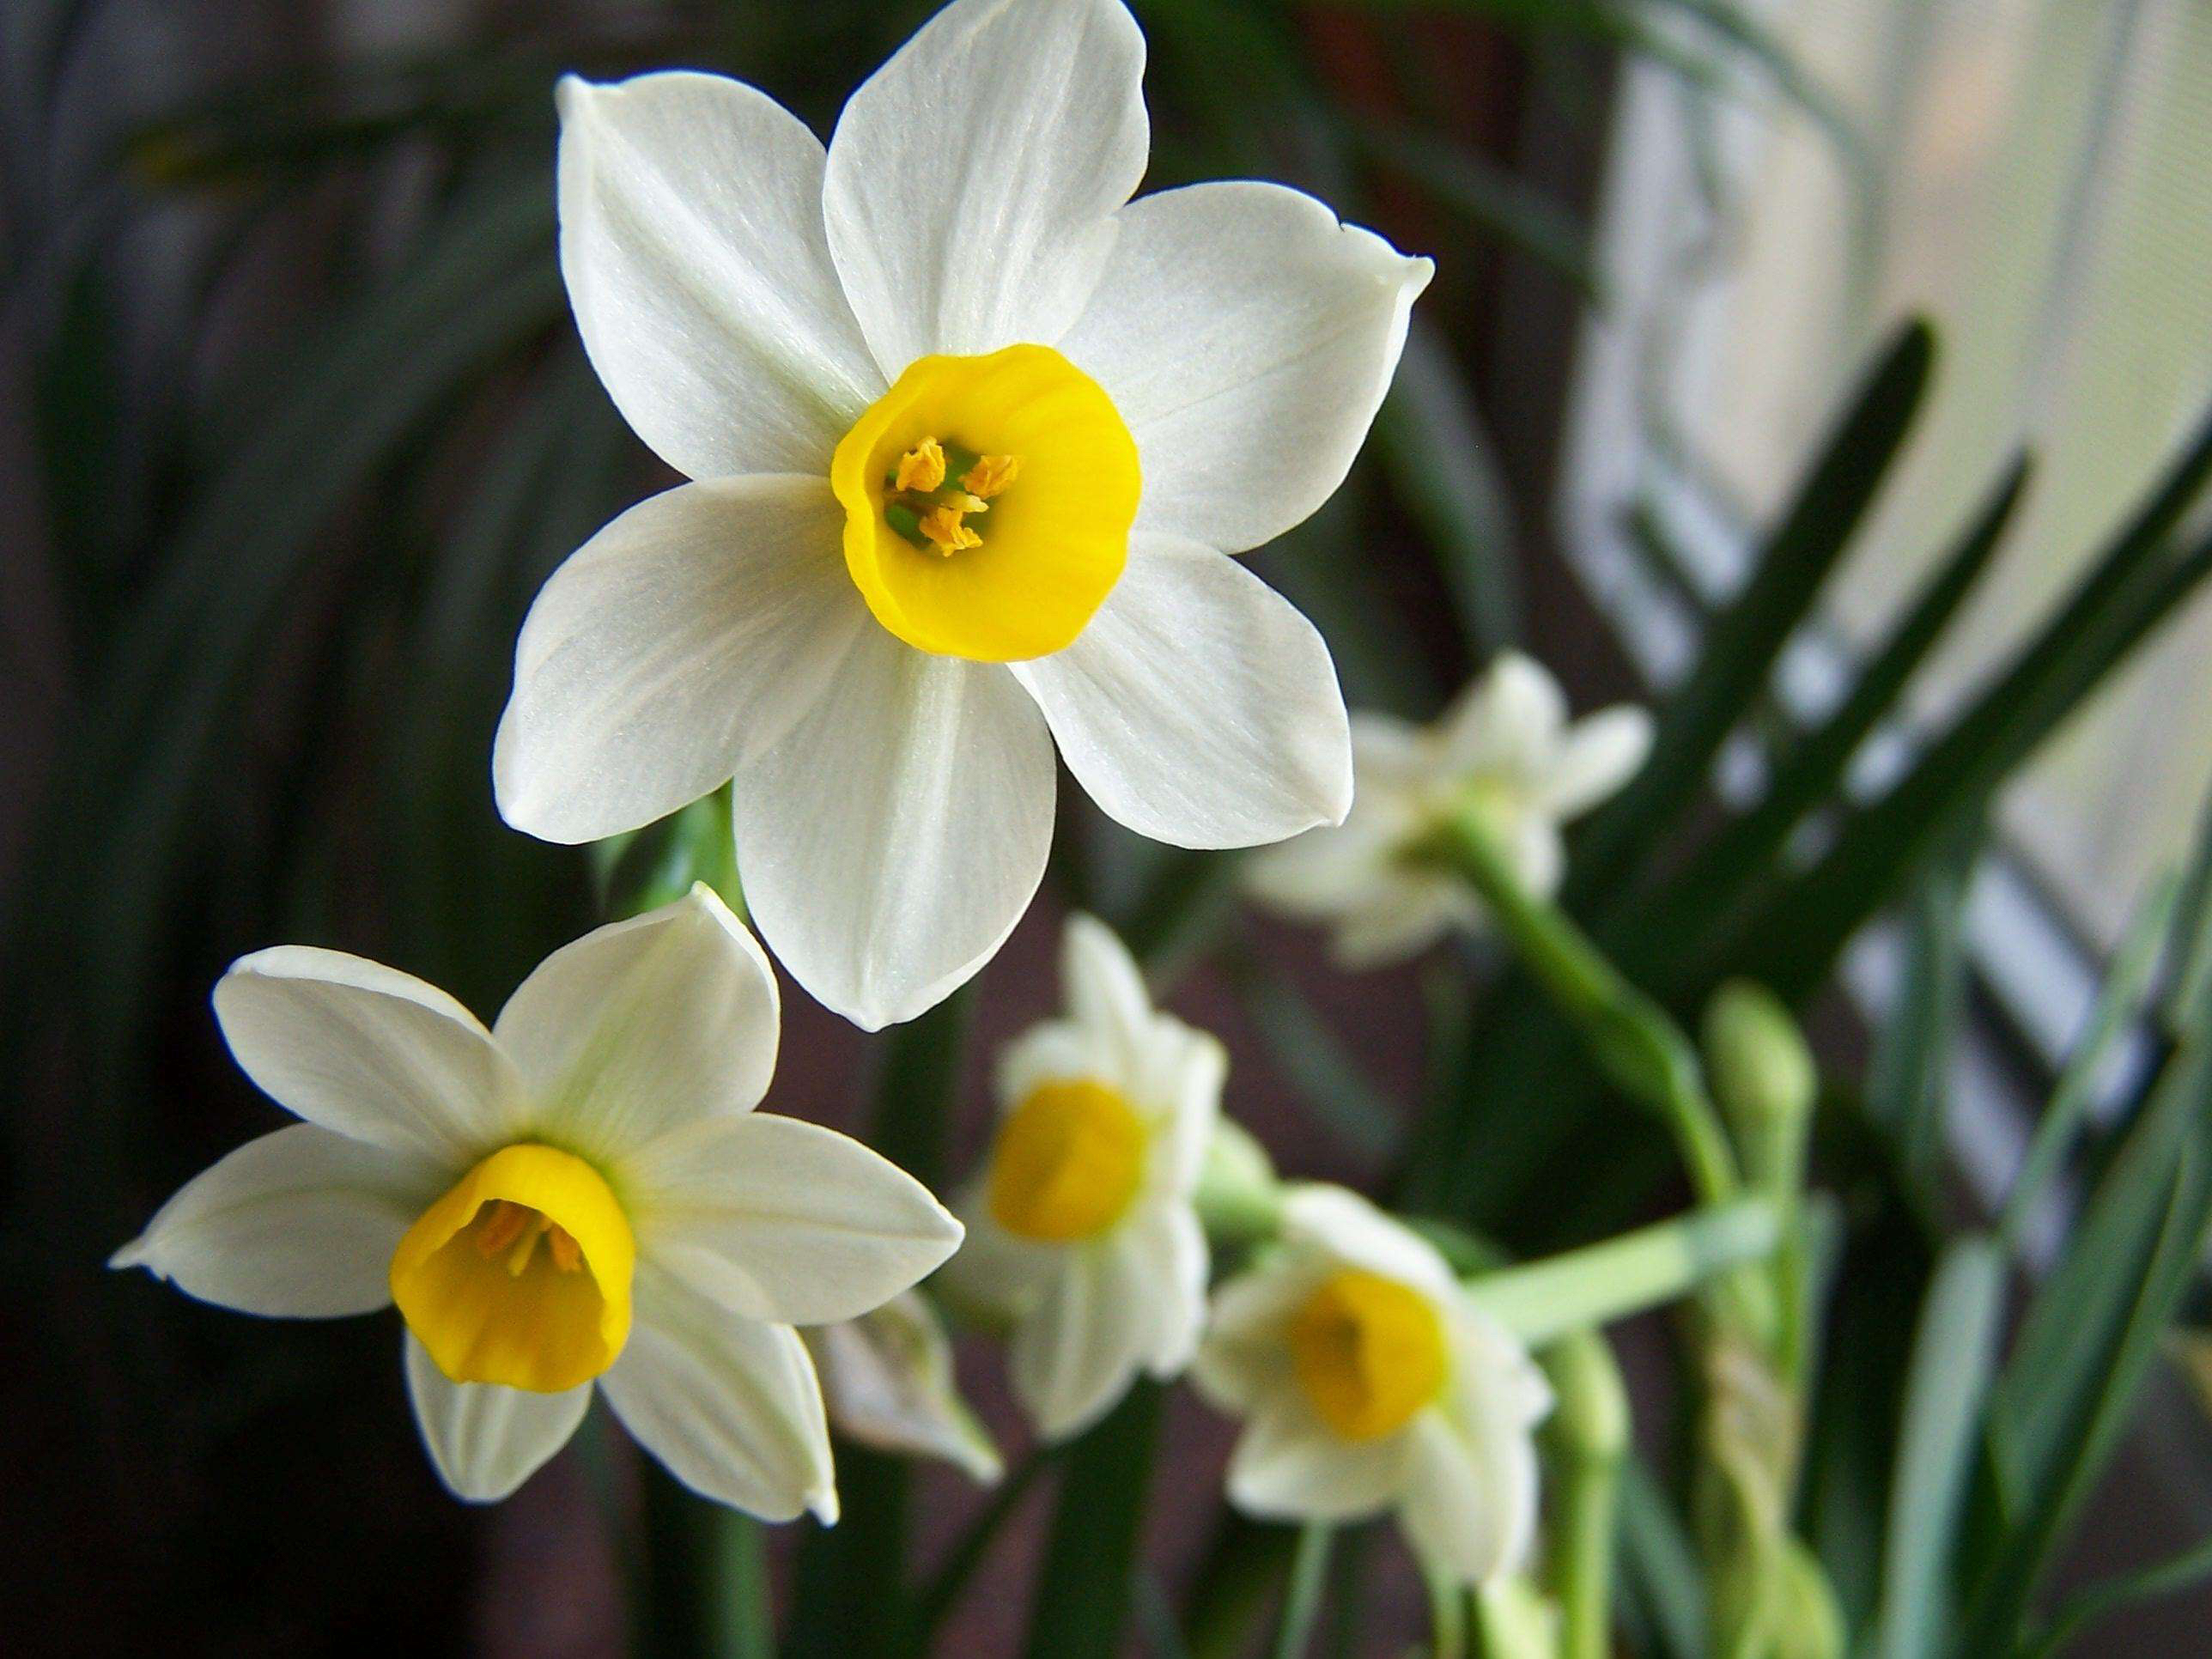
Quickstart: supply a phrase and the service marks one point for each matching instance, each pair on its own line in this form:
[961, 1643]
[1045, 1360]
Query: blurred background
[292, 423]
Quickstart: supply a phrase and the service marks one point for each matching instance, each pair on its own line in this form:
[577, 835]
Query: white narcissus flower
[581, 1196]
[1367, 1381]
[1506, 748]
[1081, 1226]
[972, 435]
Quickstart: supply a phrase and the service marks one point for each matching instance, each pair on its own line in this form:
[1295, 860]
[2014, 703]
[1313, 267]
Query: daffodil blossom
[581, 1196]
[971, 435]
[1081, 1227]
[1506, 748]
[1367, 1381]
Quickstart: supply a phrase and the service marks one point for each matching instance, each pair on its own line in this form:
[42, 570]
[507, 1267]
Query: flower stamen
[921, 468]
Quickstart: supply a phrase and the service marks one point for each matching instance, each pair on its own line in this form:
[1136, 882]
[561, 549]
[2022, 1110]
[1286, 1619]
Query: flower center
[1067, 1162]
[987, 503]
[521, 1274]
[1368, 1351]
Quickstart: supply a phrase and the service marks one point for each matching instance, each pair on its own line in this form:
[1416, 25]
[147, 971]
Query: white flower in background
[971, 431]
[582, 1196]
[1367, 1381]
[1504, 747]
[1080, 1227]
[888, 1379]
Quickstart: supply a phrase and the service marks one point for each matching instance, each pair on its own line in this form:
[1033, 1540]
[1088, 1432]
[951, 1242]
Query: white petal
[645, 1025]
[1401, 918]
[301, 1223]
[692, 242]
[729, 1405]
[1288, 1465]
[1056, 1050]
[973, 178]
[699, 624]
[1247, 336]
[1340, 1223]
[1470, 1497]
[887, 1380]
[1197, 706]
[1508, 721]
[1245, 1357]
[1103, 985]
[484, 1439]
[368, 1051]
[1165, 1257]
[994, 1271]
[1076, 1352]
[1599, 754]
[894, 836]
[785, 1221]
[1181, 1077]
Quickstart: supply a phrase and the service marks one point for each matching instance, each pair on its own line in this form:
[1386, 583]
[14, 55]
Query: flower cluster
[971, 436]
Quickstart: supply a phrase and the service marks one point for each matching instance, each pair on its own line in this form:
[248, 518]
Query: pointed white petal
[1103, 984]
[1199, 707]
[973, 177]
[1599, 754]
[894, 836]
[785, 1221]
[1288, 1465]
[1338, 1222]
[1053, 1050]
[368, 1051]
[1181, 1077]
[1164, 1261]
[887, 1380]
[729, 1405]
[692, 242]
[700, 622]
[644, 1025]
[1247, 336]
[1076, 1352]
[1470, 1497]
[1508, 721]
[301, 1223]
[485, 1440]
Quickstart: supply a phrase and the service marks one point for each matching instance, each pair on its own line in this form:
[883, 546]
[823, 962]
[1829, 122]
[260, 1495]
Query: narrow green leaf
[935, 1601]
[1812, 772]
[1081, 1602]
[1745, 639]
[1663, 1587]
[2119, 1000]
[1794, 937]
[1954, 1355]
[2091, 1336]
[1909, 1080]
[2186, 1012]
[2086, 1608]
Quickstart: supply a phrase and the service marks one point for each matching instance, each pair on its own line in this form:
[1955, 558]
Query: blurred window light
[2036, 176]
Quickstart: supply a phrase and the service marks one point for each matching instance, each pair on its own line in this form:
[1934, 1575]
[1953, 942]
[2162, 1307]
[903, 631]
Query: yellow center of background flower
[1368, 1351]
[987, 503]
[521, 1274]
[1068, 1160]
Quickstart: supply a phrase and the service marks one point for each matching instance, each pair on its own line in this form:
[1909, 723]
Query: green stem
[1629, 1035]
[1599, 1283]
[1590, 1429]
[935, 1599]
[1302, 1601]
[707, 1585]
[1447, 1617]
